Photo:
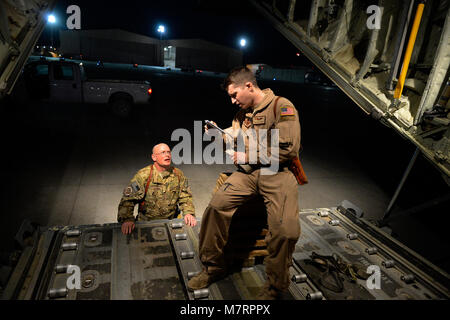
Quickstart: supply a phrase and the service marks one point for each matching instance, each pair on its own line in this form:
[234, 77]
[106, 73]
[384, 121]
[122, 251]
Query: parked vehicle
[66, 81]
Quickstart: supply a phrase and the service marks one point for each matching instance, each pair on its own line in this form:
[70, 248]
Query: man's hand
[190, 220]
[127, 227]
[239, 158]
[206, 126]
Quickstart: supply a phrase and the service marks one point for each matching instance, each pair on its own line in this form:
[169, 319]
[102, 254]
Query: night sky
[222, 22]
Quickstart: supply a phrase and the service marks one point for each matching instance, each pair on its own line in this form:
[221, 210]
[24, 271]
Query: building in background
[115, 45]
[200, 54]
[110, 45]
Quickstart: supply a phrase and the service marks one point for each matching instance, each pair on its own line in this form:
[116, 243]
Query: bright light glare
[243, 42]
[51, 18]
[161, 29]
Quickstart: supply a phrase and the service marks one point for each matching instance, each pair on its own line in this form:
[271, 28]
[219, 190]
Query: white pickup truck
[66, 81]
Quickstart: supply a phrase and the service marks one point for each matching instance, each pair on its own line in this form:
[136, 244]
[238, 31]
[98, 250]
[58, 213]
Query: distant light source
[243, 42]
[161, 29]
[51, 18]
[298, 54]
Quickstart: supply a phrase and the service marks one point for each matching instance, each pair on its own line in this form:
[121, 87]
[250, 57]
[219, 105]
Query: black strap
[330, 266]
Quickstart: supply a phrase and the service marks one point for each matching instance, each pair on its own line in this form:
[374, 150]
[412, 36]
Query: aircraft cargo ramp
[391, 59]
[155, 262]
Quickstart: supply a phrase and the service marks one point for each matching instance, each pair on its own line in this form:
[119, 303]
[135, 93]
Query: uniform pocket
[154, 191]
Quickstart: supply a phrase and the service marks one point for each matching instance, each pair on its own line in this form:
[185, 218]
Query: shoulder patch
[135, 186]
[287, 111]
[127, 191]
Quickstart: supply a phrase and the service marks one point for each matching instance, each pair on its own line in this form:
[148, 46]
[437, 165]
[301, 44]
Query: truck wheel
[121, 107]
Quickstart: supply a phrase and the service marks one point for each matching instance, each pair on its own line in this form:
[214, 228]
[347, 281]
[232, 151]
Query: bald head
[159, 147]
[161, 156]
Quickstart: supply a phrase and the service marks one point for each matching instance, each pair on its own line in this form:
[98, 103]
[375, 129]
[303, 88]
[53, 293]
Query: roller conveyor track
[156, 260]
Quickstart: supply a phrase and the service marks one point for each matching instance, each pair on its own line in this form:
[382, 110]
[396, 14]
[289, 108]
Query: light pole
[51, 20]
[162, 29]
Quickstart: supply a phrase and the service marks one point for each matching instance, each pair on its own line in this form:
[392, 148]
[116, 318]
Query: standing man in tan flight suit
[159, 189]
[279, 189]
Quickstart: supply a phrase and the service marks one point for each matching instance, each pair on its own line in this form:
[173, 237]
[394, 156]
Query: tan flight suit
[279, 192]
[167, 191]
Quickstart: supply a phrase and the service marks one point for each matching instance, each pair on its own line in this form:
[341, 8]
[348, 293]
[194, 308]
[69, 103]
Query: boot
[204, 279]
[268, 292]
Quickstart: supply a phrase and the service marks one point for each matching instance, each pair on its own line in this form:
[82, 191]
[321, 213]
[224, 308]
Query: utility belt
[249, 168]
[293, 165]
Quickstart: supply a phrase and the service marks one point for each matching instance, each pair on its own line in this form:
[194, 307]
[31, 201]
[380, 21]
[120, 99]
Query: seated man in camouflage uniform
[159, 189]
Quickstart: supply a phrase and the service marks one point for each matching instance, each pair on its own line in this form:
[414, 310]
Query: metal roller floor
[157, 259]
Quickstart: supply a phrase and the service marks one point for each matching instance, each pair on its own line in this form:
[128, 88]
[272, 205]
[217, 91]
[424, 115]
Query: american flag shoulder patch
[287, 111]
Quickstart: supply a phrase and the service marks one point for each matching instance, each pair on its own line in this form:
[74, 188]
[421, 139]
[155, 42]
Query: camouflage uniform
[167, 191]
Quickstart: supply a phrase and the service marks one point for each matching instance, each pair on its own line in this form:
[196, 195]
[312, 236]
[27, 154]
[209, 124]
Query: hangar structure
[120, 46]
[110, 45]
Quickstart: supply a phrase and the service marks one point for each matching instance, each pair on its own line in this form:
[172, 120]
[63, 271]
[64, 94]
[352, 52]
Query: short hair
[239, 76]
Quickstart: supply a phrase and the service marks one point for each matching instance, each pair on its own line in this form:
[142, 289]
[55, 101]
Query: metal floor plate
[157, 259]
